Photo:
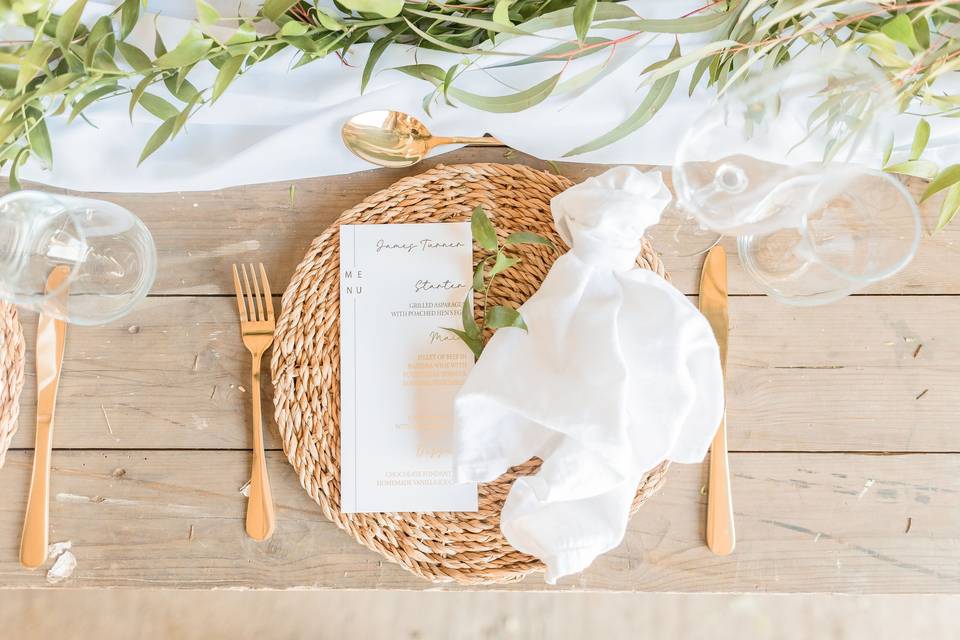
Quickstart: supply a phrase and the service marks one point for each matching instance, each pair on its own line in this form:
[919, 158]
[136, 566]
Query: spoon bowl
[394, 139]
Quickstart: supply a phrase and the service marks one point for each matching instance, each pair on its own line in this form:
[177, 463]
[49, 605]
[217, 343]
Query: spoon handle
[484, 141]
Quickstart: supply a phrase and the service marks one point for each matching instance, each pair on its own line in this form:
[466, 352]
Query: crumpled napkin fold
[617, 372]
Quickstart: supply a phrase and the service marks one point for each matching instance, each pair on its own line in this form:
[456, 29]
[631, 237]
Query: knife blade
[720, 534]
[51, 338]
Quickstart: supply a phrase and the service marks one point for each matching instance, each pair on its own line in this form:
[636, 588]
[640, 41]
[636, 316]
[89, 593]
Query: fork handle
[260, 515]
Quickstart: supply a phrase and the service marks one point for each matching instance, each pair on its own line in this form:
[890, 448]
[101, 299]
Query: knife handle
[721, 537]
[34, 540]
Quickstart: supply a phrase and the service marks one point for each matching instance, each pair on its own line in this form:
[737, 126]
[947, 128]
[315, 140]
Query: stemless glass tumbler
[109, 253]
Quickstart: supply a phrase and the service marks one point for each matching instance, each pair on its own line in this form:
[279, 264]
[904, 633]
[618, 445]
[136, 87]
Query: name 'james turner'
[424, 244]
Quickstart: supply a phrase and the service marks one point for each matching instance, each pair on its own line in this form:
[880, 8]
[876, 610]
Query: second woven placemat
[464, 547]
[11, 374]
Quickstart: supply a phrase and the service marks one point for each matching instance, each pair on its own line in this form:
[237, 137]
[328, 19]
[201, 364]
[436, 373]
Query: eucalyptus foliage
[495, 262]
[63, 66]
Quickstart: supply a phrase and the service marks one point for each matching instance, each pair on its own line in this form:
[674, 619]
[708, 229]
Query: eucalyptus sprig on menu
[63, 67]
[495, 262]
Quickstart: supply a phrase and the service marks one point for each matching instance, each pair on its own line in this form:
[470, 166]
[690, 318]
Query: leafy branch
[490, 266]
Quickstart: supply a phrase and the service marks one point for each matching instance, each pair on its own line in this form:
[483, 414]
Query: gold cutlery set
[257, 325]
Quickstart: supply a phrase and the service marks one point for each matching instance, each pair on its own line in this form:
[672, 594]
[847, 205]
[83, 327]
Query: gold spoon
[394, 139]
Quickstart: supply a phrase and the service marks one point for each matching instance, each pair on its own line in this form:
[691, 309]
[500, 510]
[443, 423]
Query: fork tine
[267, 296]
[239, 289]
[249, 291]
[256, 290]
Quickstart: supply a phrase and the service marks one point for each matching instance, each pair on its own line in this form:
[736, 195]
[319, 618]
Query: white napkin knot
[618, 372]
[603, 218]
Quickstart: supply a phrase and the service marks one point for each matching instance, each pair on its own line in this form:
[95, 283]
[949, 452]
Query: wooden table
[843, 428]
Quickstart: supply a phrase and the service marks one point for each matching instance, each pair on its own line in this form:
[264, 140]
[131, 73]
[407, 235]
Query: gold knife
[713, 304]
[51, 335]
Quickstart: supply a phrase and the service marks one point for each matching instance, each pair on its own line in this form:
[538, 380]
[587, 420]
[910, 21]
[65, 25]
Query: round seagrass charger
[467, 548]
[11, 374]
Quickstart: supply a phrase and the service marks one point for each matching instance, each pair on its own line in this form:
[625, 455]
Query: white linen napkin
[617, 372]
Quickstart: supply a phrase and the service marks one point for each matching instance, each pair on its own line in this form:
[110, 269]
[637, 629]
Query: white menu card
[399, 370]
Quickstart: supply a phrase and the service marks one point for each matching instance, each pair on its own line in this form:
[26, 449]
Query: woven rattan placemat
[11, 374]
[464, 547]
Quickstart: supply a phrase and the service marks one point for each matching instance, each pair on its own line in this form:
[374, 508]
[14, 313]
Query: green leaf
[228, 71]
[189, 51]
[564, 17]
[502, 263]
[184, 114]
[946, 178]
[97, 42]
[385, 8]
[510, 103]
[478, 283]
[129, 14]
[180, 87]
[483, 231]
[58, 84]
[273, 9]
[900, 28]
[654, 100]
[691, 24]
[501, 12]
[528, 237]
[329, 22]
[90, 97]
[158, 106]
[469, 322]
[430, 72]
[294, 28]
[949, 208]
[375, 52]
[475, 344]
[921, 30]
[574, 49]
[39, 139]
[67, 25]
[33, 62]
[920, 138]
[917, 168]
[138, 91]
[8, 127]
[499, 317]
[17, 161]
[479, 23]
[206, 14]
[583, 17]
[158, 47]
[135, 57]
[245, 34]
[157, 139]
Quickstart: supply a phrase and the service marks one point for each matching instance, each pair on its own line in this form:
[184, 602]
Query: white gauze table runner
[617, 372]
[276, 123]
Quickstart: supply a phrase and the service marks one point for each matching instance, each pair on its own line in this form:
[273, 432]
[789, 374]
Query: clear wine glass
[782, 161]
[109, 253]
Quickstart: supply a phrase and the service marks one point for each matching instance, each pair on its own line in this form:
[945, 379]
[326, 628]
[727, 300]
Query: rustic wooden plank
[837, 378]
[199, 234]
[805, 522]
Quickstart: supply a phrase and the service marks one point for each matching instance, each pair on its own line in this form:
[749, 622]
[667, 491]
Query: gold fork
[257, 326]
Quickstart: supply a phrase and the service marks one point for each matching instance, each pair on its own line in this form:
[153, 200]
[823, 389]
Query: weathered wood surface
[152, 436]
[837, 378]
[805, 522]
[200, 234]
